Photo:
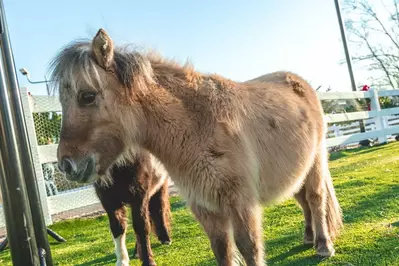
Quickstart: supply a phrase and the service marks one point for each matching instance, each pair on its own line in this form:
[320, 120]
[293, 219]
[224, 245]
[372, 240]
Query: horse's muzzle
[80, 171]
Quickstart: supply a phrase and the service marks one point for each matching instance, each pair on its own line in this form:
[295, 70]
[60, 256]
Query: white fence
[380, 123]
[59, 196]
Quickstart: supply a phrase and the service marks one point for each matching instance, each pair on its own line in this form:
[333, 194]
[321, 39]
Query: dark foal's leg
[142, 229]
[218, 228]
[247, 226]
[301, 199]
[118, 225]
[160, 214]
[136, 251]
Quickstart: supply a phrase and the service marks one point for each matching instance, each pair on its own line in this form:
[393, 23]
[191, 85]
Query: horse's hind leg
[118, 225]
[247, 226]
[301, 198]
[218, 228]
[160, 213]
[316, 195]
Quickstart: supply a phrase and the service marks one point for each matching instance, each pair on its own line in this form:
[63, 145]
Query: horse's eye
[87, 98]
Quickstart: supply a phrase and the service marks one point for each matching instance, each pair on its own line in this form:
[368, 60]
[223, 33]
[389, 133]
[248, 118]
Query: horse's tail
[333, 210]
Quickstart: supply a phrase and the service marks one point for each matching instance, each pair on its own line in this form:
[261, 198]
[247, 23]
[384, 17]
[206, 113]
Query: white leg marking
[121, 253]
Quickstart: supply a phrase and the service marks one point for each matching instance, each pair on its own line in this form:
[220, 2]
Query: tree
[47, 127]
[373, 33]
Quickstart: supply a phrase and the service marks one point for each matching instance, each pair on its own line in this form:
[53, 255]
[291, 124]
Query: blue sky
[237, 39]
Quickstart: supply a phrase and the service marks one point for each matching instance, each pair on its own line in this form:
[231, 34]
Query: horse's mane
[75, 64]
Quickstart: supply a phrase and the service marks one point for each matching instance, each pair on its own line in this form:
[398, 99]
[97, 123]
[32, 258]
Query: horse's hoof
[308, 236]
[325, 251]
[324, 247]
[150, 263]
[124, 262]
[167, 242]
[135, 254]
[307, 241]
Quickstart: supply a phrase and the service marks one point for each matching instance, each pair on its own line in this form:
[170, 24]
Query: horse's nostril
[68, 166]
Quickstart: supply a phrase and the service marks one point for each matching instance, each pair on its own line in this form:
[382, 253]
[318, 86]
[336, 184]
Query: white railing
[354, 127]
[378, 123]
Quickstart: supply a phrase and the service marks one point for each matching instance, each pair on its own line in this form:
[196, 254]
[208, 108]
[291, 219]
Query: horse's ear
[103, 49]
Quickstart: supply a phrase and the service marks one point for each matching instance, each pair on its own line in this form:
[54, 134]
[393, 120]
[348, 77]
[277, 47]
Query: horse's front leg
[218, 229]
[247, 226]
[118, 226]
[141, 226]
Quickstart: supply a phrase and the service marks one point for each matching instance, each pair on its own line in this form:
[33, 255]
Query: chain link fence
[47, 129]
[65, 199]
[61, 199]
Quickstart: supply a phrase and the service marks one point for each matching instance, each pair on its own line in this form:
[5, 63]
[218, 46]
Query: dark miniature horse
[143, 185]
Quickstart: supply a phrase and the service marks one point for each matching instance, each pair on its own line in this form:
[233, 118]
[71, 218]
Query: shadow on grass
[337, 155]
[361, 150]
[109, 259]
[298, 249]
[106, 260]
[178, 205]
[293, 251]
[210, 262]
[352, 183]
[372, 206]
[370, 150]
[395, 224]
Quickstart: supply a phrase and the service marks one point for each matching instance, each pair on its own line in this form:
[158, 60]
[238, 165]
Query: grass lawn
[367, 185]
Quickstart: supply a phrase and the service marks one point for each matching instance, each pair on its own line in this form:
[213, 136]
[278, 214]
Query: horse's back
[288, 81]
[284, 129]
[291, 91]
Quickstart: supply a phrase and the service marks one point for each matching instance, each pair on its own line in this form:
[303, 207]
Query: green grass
[367, 185]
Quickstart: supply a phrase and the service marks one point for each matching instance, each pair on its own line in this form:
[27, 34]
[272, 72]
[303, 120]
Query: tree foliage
[373, 34]
[47, 127]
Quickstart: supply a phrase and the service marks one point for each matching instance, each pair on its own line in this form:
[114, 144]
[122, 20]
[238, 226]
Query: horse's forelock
[72, 64]
[75, 64]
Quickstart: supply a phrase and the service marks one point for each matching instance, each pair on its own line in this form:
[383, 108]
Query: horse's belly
[284, 169]
[283, 189]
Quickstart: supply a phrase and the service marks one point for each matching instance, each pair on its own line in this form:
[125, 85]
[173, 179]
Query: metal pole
[47, 86]
[16, 205]
[16, 208]
[25, 222]
[36, 82]
[348, 58]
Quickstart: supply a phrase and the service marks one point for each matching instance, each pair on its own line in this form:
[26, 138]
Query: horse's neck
[181, 112]
[165, 130]
[175, 132]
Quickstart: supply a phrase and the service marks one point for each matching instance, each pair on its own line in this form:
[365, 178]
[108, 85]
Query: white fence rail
[380, 123]
[58, 196]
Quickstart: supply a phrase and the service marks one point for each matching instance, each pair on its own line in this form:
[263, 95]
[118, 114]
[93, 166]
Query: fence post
[30, 126]
[379, 120]
[336, 130]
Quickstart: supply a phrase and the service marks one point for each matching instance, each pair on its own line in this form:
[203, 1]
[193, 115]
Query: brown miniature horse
[145, 188]
[228, 146]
